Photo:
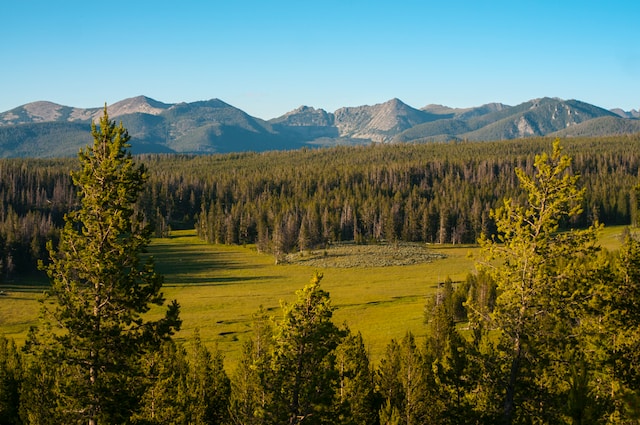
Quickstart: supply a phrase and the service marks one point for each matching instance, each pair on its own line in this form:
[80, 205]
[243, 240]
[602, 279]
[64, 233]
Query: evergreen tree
[101, 287]
[251, 393]
[542, 277]
[10, 378]
[303, 362]
[623, 322]
[356, 398]
[40, 401]
[166, 399]
[406, 385]
[448, 355]
[208, 386]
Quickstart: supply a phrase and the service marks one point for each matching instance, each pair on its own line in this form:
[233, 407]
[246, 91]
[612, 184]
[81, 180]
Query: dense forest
[285, 201]
[546, 332]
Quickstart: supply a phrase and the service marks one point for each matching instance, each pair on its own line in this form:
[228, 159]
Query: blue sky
[269, 57]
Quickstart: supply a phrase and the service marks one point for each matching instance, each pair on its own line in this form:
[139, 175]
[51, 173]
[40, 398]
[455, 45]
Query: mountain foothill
[46, 129]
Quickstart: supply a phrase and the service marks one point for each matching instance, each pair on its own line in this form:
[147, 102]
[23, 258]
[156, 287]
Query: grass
[220, 287]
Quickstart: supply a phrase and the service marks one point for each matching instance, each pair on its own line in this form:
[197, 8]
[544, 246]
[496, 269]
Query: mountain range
[46, 129]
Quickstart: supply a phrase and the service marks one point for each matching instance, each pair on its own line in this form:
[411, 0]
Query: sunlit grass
[220, 287]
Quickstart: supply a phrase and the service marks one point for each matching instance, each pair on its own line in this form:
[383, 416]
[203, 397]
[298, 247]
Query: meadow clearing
[221, 287]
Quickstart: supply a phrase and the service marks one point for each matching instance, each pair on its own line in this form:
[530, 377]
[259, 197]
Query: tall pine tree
[101, 287]
[303, 362]
[543, 278]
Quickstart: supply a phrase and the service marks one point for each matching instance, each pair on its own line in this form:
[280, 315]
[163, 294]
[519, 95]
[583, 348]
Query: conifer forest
[547, 331]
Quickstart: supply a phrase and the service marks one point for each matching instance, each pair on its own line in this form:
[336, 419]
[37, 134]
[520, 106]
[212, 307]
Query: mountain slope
[42, 111]
[45, 129]
[38, 112]
[381, 122]
[306, 124]
[603, 126]
[139, 104]
[215, 126]
[536, 117]
[43, 140]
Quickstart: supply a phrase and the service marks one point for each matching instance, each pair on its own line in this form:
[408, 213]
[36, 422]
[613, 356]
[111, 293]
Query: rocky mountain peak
[138, 104]
[626, 114]
[305, 116]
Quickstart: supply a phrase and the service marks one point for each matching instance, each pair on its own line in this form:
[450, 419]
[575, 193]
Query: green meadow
[221, 287]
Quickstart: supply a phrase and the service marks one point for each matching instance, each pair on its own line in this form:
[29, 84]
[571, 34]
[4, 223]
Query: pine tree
[447, 353]
[10, 378]
[166, 399]
[542, 276]
[356, 399]
[208, 385]
[101, 287]
[623, 320]
[406, 385]
[251, 391]
[303, 363]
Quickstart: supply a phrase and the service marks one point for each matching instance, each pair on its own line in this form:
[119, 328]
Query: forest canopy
[297, 200]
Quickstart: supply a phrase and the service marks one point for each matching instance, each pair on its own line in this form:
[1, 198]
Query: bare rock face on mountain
[464, 113]
[305, 116]
[139, 104]
[306, 124]
[380, 122]
[41, 112]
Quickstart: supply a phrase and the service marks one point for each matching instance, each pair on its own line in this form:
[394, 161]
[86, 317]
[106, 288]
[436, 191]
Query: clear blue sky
[269, 57]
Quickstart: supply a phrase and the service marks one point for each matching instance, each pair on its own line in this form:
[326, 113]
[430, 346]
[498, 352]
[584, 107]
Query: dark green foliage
[406, 385]
[622, 343]
[356, 400]
[10, 382]
[303, 369]
[208, 386]
[432, 193]
[165, 400]
[252, 391]
[40, 401]
[449, 357]
[185, 386]
[307, 199]
[100, 290]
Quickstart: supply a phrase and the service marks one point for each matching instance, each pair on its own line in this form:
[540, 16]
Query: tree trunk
[509, 403]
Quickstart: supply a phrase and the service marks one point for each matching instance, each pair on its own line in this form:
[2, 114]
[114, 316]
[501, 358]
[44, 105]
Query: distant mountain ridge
[46, 129]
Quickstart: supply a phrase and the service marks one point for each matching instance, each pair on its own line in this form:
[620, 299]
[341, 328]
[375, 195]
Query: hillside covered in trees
[287, 201]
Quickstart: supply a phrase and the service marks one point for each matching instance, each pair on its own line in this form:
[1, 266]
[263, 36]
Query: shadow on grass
[392, 300]
[184, 263]
[28, 282]
[180, 259]
[215, 281]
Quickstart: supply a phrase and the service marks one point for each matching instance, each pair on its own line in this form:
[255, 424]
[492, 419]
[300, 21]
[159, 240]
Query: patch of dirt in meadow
[344, 255]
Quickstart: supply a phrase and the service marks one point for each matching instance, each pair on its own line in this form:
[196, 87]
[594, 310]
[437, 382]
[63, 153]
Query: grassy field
[219, 288]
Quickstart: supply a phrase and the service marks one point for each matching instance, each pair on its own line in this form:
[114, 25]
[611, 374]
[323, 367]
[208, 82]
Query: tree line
[298, 200]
